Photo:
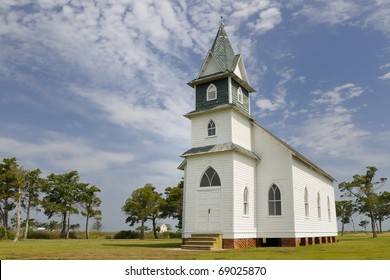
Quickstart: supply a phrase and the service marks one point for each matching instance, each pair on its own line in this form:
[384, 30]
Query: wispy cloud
[385, 76]
[329, 128]
[61, 152]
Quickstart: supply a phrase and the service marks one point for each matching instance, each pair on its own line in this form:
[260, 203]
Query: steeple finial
[221, 20]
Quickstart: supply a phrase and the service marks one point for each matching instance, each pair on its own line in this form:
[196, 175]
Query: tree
[8, 190]
[88, 201]
[61, 197]
[383, 208]
[32, 188]
[97, 225]
[364, 224]
[362, 188]
[141, 205]
[20, 175]
[173, 203]
[344, 211]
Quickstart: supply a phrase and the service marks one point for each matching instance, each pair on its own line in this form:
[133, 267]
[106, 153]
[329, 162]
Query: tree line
[57, 194]
[147, 204]
[364, 198]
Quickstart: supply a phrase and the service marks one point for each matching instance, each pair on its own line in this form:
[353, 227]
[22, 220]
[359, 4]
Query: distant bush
[126, 234]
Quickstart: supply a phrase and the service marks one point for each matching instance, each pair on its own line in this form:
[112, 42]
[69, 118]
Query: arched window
[211, 92]
[246, 203]
[211, 129]
[274, 201]
[329, 209]
[210, 178]
[306, 203]
[240, 96]
[319, 206]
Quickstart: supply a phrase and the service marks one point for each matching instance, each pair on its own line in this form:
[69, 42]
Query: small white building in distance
[241, 181]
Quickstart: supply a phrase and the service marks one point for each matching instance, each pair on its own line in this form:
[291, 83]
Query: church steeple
[222, 79]
[222, 49]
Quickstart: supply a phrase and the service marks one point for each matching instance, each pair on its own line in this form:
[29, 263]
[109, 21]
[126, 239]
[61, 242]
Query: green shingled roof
[220, 148]
[222, 49]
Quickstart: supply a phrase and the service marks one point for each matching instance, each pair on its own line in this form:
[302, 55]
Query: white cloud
[338, 95]
[64, 153]
[385, 76]
[267, 20]
[329, 128]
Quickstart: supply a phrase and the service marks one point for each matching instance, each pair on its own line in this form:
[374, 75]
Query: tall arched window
[306, 203]
[319, 205]
[211, 129]
[210, 178]
[240, 96]
[211, 92]
[274, 201]
[246, 202]
[329, 209]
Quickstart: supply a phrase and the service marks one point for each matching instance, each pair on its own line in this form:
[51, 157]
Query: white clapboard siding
[222, 120]
[306, 177]
[244, 177]
[195, 168]
[241, 130]
[274, 168]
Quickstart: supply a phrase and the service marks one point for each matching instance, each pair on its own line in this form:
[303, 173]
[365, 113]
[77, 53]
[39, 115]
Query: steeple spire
[222, 49]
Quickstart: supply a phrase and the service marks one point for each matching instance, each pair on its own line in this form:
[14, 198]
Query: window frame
[240, 96]
[329, 213]
[209, 180]
[211, 89]
[319, 206]
[306, 202]
[211, 128]
[274, 202]
[246, 201]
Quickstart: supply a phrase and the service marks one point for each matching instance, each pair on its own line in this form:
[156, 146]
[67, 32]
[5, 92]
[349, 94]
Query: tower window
[274, 201]
[211, 129]
[240, 96]
[210, 178]
[211, 92]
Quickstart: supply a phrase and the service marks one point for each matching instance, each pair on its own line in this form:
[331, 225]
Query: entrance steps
[203, 241]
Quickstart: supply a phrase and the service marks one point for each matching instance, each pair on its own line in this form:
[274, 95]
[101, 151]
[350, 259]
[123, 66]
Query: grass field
[350, 247]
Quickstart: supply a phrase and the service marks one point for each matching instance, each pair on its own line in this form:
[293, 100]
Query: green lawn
[350, 247]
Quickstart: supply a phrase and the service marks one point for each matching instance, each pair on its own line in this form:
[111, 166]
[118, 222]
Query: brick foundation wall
[239, 243]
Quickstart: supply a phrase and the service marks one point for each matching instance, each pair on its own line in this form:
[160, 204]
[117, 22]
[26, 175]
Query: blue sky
[101, 87]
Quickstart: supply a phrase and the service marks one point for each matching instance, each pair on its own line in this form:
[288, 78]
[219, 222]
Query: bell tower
[219, 168]
[222, 79]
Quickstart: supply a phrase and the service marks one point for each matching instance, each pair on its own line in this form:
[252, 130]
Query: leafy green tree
[61, 197]
[32, 189]
[141, 205]
[8, 190]
[173, 203]
[383, 208]
[20, 175]
[89, 201]
[364, 224]
[344, 211]
[362, 188]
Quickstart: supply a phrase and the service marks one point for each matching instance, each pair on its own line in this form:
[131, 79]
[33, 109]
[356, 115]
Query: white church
[242, 184]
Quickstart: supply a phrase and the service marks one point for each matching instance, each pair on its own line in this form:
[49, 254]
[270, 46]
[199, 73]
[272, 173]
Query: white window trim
[207, 92]
[306, 203]
[240, 94]
[215, 128]
[246, 202]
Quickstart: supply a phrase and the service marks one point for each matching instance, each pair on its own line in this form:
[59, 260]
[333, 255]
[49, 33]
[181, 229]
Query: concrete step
[197, 242]
[197, 247]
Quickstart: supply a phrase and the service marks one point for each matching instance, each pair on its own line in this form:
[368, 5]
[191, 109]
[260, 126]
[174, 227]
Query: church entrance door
[209, 211]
